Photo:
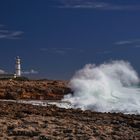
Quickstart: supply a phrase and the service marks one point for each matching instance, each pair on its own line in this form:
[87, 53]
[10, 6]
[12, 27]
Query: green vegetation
[21, 78]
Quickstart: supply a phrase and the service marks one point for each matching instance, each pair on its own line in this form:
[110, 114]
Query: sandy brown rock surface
[44, 90]
[27, 122]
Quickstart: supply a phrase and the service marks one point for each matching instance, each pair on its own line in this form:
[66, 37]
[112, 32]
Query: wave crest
[109, 87]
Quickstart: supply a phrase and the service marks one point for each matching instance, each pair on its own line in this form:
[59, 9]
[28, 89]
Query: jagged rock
[45, 90]
[24, 121]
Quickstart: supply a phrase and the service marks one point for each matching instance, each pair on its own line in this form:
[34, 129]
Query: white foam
[109, 87]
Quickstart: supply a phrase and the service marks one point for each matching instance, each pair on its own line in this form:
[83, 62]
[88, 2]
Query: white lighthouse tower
[17, 67]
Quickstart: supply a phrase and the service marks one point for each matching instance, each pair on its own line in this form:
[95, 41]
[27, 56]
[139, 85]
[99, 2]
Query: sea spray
[109, 87]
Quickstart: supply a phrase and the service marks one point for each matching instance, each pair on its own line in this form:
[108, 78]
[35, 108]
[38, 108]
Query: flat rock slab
[25, 121]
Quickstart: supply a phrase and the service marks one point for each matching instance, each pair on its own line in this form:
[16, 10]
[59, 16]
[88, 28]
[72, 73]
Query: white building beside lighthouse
[18, 67]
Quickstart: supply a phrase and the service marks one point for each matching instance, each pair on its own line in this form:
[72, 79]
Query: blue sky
[54, 38]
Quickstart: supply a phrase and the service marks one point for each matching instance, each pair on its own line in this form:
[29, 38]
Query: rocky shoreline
[24, 121]
[20, 121]
[33, 90]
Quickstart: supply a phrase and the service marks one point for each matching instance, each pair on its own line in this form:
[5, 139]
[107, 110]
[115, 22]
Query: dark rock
[42, 137]
[67, 131]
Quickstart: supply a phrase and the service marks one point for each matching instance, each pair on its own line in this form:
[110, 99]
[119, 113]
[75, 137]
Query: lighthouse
[17, 67]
